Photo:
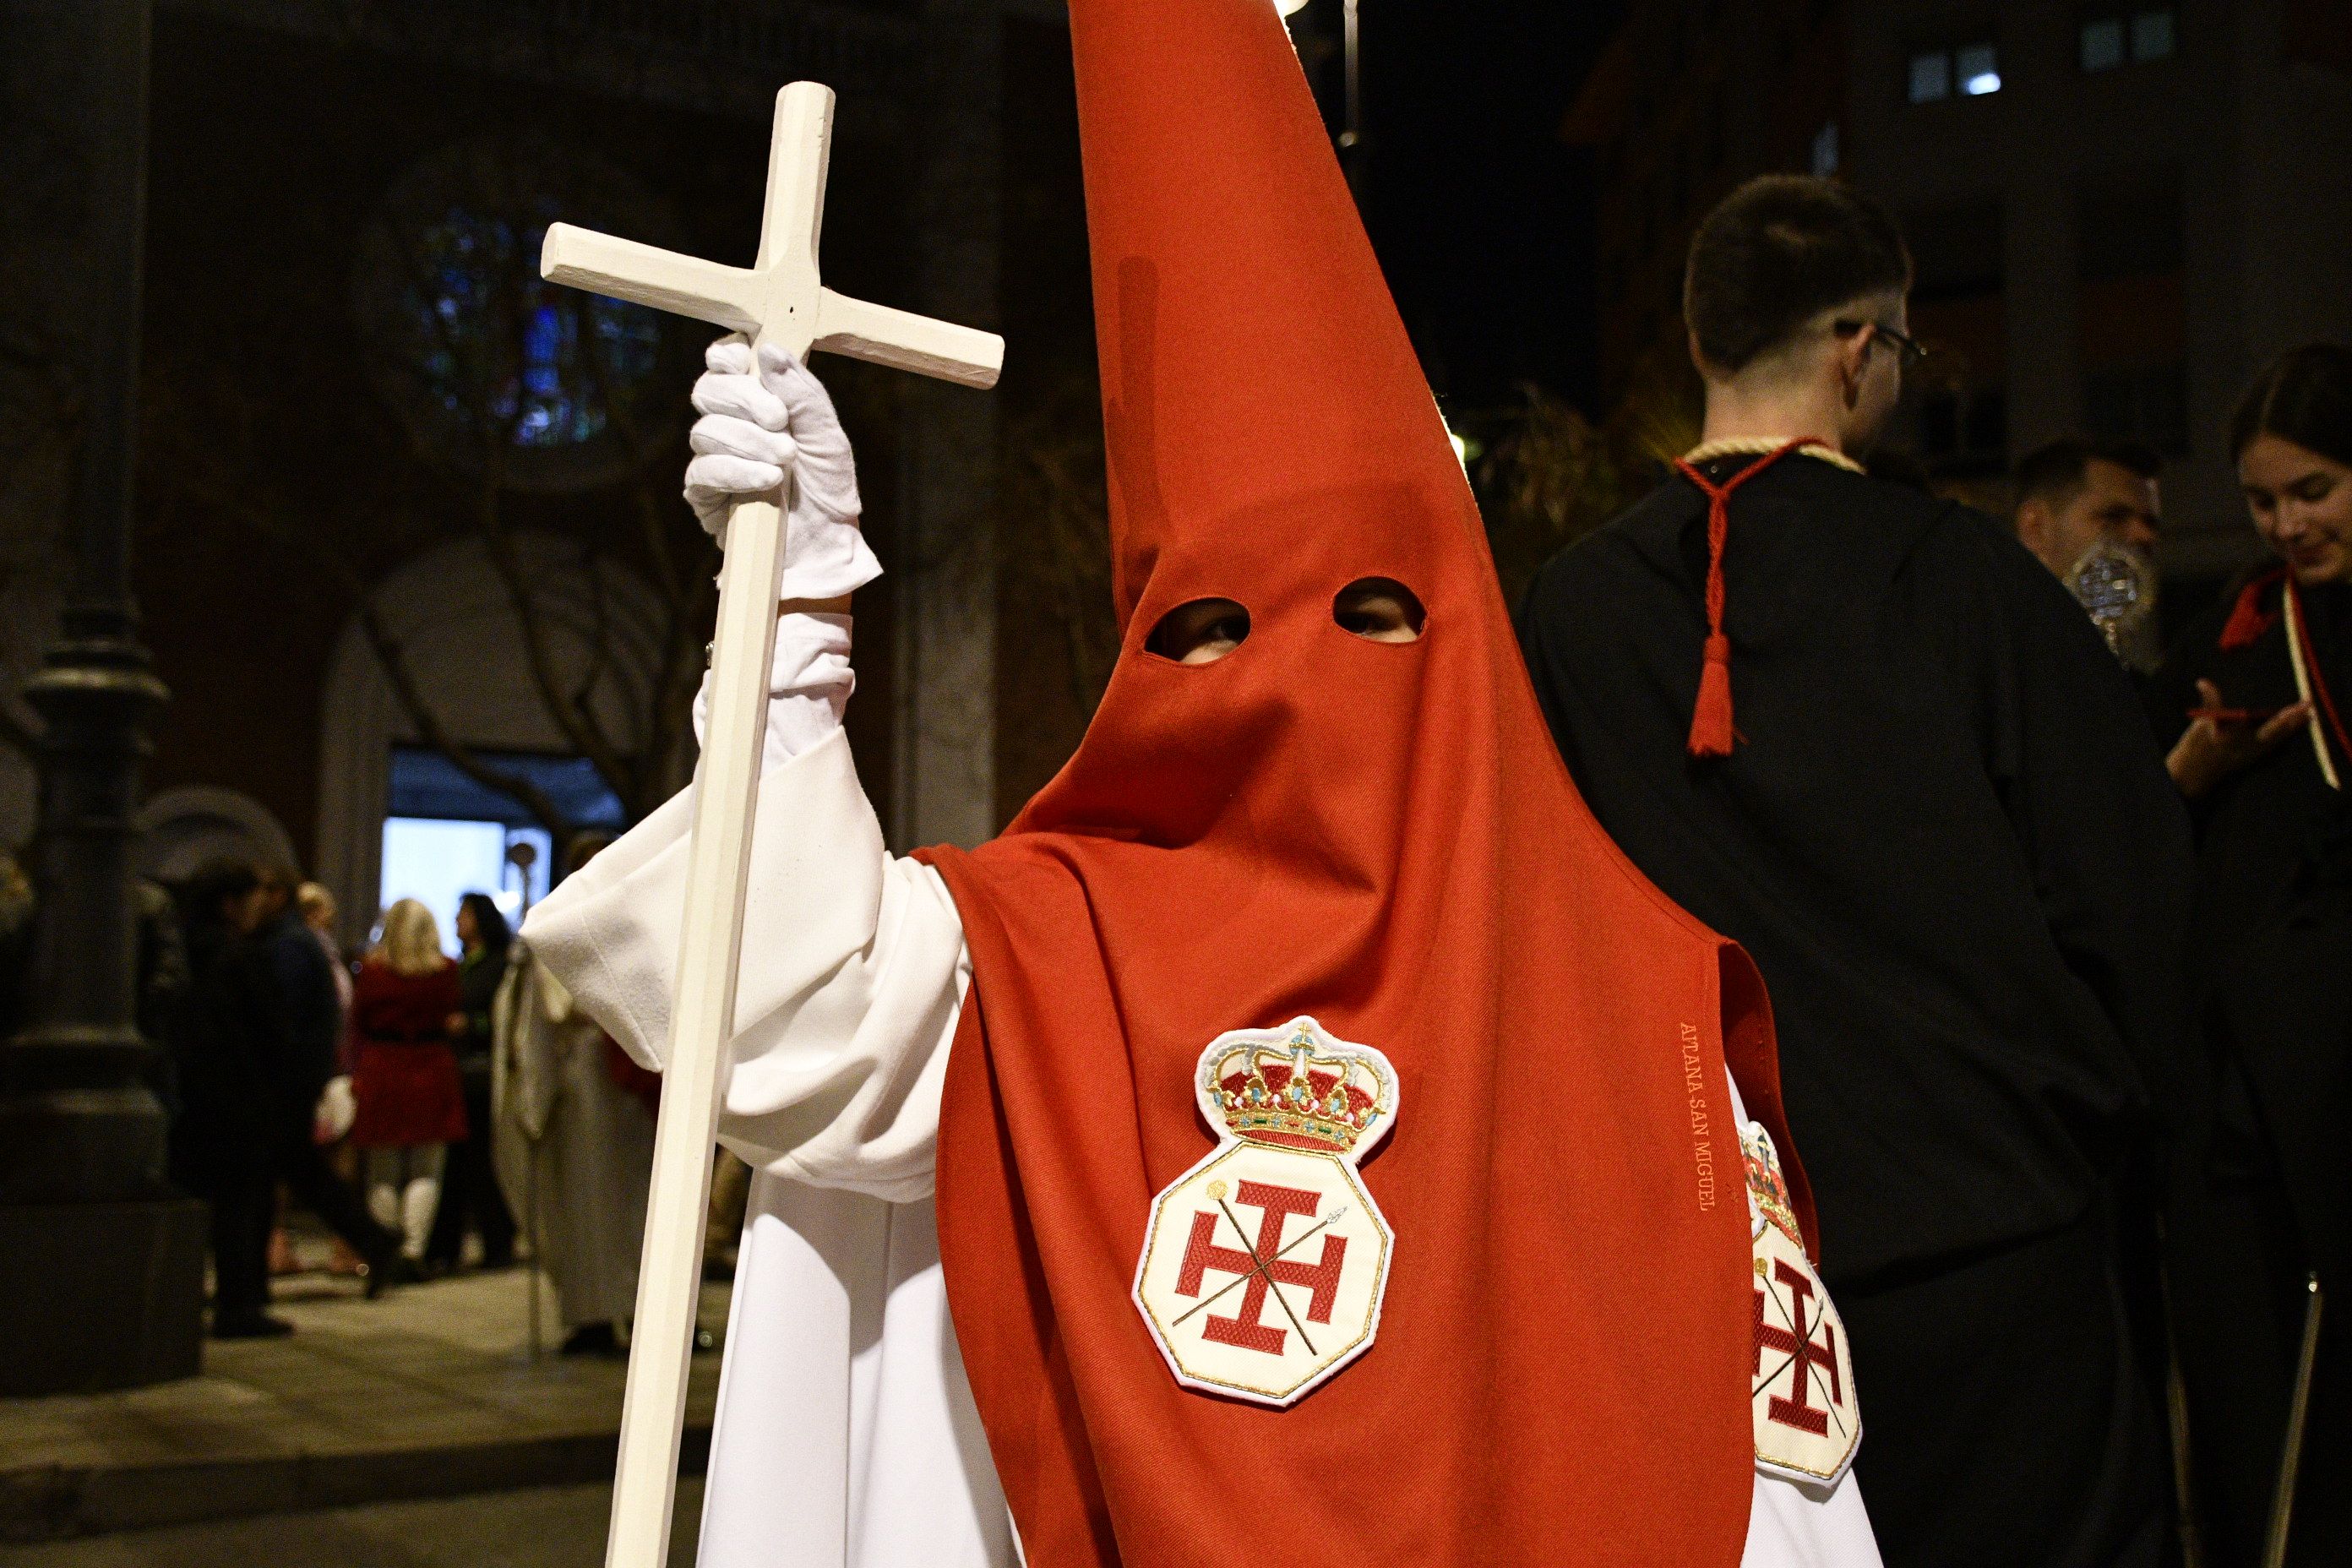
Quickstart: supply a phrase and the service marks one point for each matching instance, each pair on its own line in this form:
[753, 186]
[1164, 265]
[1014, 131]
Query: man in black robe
[1861, 730]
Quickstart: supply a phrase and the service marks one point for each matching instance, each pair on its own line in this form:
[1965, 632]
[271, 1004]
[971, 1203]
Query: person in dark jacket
[2255, 701]
[257, 1050]
[469, 1187]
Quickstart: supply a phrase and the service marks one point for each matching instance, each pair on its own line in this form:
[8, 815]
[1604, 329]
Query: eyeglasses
[1908, 352]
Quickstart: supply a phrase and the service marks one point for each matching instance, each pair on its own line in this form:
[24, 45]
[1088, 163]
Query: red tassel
[2248, 620]
[1711, 734]
[1710, 731]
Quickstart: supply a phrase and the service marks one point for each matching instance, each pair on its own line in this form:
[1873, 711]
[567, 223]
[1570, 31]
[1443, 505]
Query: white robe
[847, 1435]
[574, 1152]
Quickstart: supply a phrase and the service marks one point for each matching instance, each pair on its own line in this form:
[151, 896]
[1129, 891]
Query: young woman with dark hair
[470, 1192]
[2253, 702]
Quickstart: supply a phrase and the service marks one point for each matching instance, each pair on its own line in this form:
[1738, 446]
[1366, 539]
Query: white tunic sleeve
[854, 970]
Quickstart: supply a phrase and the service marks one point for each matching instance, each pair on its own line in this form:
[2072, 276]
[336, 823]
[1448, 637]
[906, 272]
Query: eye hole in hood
[1200, 631]
[1379, 609]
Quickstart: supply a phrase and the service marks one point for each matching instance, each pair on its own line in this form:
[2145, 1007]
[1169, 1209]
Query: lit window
[1979, 70]
[2116, 39]
[2103, 44]
[1931, 77]
[1825, 149]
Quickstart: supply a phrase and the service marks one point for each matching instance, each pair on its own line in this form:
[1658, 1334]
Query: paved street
[559, 1527]
[430, 1392]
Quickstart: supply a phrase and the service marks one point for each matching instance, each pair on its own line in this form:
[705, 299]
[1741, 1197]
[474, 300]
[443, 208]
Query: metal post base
[100, 1296]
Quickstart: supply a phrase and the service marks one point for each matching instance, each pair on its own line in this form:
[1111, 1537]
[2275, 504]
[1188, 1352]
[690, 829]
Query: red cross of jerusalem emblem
[1806, 1419]
[1265, 1264]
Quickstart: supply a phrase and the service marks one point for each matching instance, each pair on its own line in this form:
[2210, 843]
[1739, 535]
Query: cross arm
[647, 275]
[904, 341]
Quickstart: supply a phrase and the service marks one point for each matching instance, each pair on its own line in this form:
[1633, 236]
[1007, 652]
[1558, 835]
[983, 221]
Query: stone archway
[451, 611]
[181, 829]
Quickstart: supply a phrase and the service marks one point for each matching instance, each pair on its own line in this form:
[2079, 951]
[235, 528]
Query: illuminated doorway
[447, 835]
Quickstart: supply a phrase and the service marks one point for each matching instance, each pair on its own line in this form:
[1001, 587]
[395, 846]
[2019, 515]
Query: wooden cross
[777, 300]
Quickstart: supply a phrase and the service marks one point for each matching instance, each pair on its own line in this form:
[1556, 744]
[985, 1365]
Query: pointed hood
[1236, 297]
[1377, 836]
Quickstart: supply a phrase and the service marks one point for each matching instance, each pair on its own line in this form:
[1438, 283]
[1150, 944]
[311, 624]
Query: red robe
[405, 1080]
[1381, 835]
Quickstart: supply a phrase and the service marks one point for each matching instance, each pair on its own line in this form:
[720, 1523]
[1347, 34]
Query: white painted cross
[778, 299]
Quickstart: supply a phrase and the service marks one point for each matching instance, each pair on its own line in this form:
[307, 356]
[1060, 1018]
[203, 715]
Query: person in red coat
[411, 1101]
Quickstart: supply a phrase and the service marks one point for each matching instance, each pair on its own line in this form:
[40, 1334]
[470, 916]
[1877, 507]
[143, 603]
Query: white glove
[758, 423]
[808, 686]
[336, 1111]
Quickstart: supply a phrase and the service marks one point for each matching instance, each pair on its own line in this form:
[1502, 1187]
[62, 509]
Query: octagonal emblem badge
[1263, 1265]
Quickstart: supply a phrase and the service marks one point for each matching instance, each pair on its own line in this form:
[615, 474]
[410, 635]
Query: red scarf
[2250, 617]
[1382, 836]
[2251, 620]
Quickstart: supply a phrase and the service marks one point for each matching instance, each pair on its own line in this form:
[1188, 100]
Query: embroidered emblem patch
[1264, 1266]
[1808, 1422]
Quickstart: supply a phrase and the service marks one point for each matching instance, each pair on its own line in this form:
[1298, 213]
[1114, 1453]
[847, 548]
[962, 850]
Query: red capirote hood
[1379, 836]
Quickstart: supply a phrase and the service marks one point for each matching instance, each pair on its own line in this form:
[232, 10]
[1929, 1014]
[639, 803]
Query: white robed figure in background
[573, 1150]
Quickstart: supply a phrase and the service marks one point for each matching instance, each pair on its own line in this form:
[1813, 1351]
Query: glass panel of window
[2151, 35]
[1978, 68]
[1825, 149]
[1931, 77]
[2103, 44]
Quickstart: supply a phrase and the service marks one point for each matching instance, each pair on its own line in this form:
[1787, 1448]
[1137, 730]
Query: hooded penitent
[1376, 835]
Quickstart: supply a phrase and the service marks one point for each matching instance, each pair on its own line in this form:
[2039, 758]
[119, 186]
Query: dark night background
[1482, 217]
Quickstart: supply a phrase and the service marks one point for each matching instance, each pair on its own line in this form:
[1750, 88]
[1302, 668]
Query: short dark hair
[1778, 252]
[2304, 395]
[2056, 473]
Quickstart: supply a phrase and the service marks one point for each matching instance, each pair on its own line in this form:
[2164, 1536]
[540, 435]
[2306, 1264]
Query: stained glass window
[487, 363]
[498, 345]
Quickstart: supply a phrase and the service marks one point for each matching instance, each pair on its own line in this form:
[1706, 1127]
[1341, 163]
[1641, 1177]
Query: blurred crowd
[431, 1113]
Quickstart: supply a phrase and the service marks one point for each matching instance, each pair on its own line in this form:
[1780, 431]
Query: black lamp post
[1349, 138]
[104, 1263]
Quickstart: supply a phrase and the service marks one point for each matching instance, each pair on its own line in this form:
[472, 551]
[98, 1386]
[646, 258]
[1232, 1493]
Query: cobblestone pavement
[555, 1527]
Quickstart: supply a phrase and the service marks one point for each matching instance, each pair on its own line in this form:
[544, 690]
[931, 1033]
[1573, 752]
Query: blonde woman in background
[411, 1103]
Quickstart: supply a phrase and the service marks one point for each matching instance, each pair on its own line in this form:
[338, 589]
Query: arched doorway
[451, 613]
